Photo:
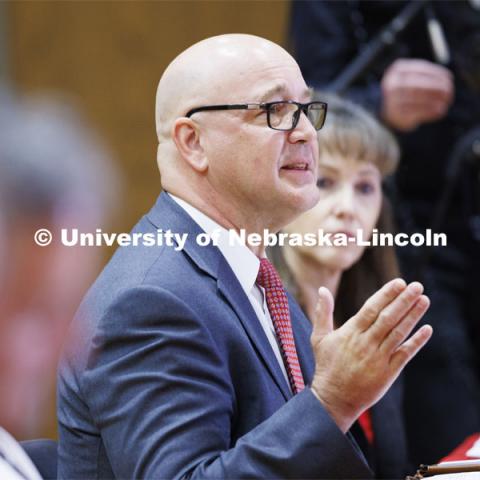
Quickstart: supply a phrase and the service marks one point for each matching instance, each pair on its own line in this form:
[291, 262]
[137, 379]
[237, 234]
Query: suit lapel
[302, 329]
[233, 292]
[167, 214]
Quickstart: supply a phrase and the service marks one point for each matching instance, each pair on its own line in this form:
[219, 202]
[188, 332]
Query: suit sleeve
[159, 388]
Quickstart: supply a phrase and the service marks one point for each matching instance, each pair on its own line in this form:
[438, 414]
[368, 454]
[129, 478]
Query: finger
[421, 67]
[422, 109]
[393, 313]
[405, 327]
[420, 94]
[410, 348]
[413, 83]
[370, 310]
[426, 81]
[323, 318]
[418, 99]
[409, 116]
[423, 86]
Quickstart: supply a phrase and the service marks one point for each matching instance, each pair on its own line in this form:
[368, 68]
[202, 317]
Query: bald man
[187, 368]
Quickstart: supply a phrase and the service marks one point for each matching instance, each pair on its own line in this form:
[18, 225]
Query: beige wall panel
[109, 57]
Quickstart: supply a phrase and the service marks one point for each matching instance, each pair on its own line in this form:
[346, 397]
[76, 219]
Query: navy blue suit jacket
[172, 376]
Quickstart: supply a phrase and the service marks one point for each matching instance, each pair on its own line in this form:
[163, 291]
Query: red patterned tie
[277, 304]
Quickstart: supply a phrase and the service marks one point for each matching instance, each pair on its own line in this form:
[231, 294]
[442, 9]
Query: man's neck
[222, 220]
[235, 218]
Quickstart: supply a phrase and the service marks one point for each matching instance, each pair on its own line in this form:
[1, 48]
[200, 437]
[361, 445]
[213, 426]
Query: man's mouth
[297, 166]
[299, 172]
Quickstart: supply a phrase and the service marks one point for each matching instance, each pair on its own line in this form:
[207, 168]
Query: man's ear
[186, 136]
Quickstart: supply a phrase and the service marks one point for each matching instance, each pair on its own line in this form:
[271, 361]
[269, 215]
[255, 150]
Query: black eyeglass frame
[302, 107]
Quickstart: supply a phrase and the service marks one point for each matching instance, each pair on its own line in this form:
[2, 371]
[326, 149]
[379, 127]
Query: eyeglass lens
[284, 116]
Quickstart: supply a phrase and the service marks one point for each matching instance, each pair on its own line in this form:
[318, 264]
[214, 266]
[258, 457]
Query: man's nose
[304, 130]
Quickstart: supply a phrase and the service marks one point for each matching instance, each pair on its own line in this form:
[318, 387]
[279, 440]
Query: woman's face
[350, 200]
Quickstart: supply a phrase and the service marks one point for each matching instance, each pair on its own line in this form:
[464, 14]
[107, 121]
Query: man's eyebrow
[281, 88]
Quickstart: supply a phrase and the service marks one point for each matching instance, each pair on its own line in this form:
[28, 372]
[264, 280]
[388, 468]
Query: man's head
[229, 163]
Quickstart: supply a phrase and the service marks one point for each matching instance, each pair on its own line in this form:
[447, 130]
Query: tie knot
[267, 276]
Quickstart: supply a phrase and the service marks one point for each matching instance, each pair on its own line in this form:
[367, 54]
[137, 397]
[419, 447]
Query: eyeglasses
[281, 116]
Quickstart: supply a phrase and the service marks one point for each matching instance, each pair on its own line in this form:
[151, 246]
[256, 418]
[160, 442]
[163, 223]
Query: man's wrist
[344, 422]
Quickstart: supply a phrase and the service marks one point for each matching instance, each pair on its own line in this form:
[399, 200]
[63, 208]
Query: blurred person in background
[54, 174]
[356, 153]
[425, 85]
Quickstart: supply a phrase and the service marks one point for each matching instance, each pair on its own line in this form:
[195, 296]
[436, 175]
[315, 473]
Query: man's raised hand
[358, 362]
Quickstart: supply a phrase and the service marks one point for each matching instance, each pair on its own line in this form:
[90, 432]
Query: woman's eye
[365, 188]
[324, 182]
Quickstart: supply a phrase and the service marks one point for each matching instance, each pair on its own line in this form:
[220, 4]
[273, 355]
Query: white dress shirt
[15, 464]
[245, 266]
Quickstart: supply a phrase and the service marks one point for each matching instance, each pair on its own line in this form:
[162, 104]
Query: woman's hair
[376, 266]
[352, 132]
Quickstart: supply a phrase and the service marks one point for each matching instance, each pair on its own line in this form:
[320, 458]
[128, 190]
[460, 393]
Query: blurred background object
[54, 174]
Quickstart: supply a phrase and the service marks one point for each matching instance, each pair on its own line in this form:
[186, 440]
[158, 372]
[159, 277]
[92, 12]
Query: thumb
[323, 318]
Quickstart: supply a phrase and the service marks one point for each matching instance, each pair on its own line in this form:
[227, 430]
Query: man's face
[267, 175]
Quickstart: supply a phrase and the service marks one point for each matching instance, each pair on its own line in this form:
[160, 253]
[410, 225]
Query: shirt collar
[242, 260]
